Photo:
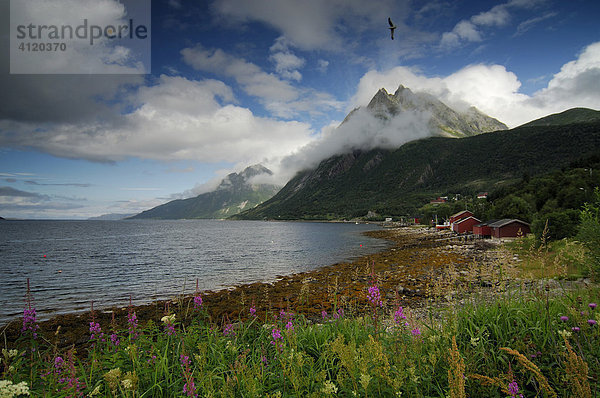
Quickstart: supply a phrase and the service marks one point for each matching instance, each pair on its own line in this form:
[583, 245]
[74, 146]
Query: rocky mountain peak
[444, 120]
[241, 180]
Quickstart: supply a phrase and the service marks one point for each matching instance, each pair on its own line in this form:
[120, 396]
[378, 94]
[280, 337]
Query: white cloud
[175, 119]
[530, 23]
[98, 55]
[312, 24]
[495, 90]
[470, 30]
[278, 96]
[286, 63]
[322, 65]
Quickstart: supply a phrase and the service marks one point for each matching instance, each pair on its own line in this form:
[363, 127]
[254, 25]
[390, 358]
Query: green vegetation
[589, 232]
[399, 182]
[575, 115]
[234, 194]
[544, 345]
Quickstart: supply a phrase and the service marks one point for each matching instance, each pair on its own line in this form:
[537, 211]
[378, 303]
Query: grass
[562, 259]
[527, 341]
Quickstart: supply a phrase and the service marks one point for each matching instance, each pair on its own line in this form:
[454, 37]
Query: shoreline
[416, 267]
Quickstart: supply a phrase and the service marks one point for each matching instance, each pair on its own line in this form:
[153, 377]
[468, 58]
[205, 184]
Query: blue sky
[237, 82]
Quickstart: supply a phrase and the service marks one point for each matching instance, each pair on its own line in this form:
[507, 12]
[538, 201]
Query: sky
[224, 84]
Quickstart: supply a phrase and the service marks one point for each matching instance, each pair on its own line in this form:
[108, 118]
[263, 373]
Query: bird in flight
[392, 27]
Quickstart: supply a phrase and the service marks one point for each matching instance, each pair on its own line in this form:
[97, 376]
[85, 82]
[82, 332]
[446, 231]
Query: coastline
[418, 267]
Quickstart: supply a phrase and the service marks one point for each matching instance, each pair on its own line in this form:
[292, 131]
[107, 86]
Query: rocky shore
[422, 268]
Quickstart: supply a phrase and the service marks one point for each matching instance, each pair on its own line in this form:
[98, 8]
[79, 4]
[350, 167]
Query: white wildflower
[564, 333]
[127, 384]
[329, 388]
[9, 390]
[168, 319]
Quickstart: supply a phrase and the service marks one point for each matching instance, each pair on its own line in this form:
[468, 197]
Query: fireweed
[374, 296]
[344, 357]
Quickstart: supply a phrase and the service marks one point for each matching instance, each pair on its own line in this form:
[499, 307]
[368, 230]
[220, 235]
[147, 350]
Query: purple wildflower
[228, 330]
[374, 296]
[339, 314]
[564, 318]
[58, 363]
[324, 315]
[276, 333]
[30, 321]
[66, 374]
[170, 329]
[416, 332]
[591, 322]
[513, 390]
[277, 339]
[115, 340]
[399, 315]
[289, 326]
[592, 305]
[189, 387]
[253, 310]
[133, 324]
[575, 329]
[197, 302]
[96, 331]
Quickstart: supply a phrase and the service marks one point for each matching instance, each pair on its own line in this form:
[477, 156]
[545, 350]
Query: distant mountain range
[235, 193]
[111, 217]
[399, 181]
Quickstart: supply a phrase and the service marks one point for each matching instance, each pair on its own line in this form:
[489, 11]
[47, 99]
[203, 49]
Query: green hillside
[571, 116]
[399, 182]
[234, 194]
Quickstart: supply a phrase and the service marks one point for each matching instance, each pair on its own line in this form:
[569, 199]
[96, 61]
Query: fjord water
[71, 263]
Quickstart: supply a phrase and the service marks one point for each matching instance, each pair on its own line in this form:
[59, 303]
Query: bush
[589, 233]
[561, 224]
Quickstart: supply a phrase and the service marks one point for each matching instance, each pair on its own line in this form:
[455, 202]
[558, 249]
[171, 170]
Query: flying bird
[392, 27]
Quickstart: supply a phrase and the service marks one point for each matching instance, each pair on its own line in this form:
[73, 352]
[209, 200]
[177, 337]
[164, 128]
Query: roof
[459, 213]
[487, 223]
[506, 221]
[465, 219]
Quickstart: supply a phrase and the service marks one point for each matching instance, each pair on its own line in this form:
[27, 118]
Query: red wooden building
[509, 228]
[465, 225]
[460, 215]
[483, 230]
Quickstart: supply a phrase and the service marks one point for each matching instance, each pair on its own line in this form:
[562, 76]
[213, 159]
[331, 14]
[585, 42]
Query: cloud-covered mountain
[443, 120]
[387, 122]
[235, 193]
[397, 182]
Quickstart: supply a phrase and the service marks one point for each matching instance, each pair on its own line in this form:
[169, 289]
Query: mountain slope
[575, 115]
[398, 182]
[234, 194]
[443, 121]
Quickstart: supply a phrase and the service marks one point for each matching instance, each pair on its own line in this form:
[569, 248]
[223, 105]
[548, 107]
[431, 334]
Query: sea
[69, 264]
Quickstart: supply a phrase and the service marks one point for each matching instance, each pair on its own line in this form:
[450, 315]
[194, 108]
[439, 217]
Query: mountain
[444, 121]
[234, 194]
[111, 217]
[400, 181]
[575, 115]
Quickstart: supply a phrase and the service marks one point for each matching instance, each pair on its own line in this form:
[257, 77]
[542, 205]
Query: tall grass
[528, 343]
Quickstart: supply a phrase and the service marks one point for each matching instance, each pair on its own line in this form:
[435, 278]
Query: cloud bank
[495, 91]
